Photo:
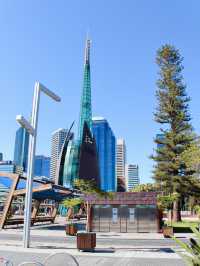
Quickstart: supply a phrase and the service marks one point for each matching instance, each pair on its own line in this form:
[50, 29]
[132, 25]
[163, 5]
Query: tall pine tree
[172, 114]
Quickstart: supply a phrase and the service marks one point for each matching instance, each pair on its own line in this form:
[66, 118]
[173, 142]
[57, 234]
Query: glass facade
[21, 148]
[71, 164]
[78, 157]
[57, 141]
[86, 107]
[106, 145]
[120, 165]
[72, 160]
[42, 166]
[132, 176]
[7, 167]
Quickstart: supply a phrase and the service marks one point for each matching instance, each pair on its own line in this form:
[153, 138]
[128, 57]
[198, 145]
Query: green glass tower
[86, 106]
[79, 157]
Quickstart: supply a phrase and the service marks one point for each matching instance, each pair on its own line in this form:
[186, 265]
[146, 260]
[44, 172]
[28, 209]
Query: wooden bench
[39, 219]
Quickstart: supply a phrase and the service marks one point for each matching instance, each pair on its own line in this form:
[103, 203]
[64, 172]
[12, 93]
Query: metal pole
[31, 159]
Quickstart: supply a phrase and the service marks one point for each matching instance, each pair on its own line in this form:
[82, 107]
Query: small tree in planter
[70, 204]
[165, 202]
[87, 240]
[90, 192]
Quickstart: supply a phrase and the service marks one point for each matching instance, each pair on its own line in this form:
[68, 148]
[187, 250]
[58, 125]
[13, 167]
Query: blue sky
[44, 40]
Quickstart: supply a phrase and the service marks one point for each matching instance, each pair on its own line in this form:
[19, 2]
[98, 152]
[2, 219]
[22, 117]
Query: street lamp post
[32, 130]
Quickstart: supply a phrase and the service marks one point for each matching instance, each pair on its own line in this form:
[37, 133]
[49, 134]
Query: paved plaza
[119, 258]
[112, 248]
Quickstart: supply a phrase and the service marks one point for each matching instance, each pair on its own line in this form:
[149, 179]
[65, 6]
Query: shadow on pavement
[163, 250]
[52, 227]
[101, 250]
[110, 235]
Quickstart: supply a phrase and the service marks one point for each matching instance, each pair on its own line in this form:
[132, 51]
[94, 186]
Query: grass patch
[183, 226]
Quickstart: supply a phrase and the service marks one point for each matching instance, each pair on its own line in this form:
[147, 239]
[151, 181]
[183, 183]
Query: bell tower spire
[86, 106]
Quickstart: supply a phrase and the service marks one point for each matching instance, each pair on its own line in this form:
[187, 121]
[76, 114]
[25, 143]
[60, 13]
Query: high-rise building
[4, 191]
[65, 163]
[1, 156]
[105, 142]
[42, 166]
[120, 164]
[21, 149]
[132, 176]
[57, 140]
[7, 167]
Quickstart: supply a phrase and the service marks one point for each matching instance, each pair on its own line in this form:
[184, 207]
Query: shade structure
[16, 186]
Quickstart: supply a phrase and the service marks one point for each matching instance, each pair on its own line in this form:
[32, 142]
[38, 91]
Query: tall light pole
[32, 129]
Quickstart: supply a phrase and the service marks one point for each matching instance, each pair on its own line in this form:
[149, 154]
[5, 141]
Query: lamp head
[49, 93]
[25, 124]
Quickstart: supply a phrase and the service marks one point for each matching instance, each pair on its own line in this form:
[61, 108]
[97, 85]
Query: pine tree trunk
[176, 211]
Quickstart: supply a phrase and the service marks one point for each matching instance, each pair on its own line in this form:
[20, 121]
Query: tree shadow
[184, 229]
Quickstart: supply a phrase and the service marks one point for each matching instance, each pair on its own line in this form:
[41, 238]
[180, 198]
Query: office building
[4, 191]
[1, 156]
[57, 140]
[120, 164]
[21, 149]
[7, 167]
[105, 143]
[132, 176]
[42, 166]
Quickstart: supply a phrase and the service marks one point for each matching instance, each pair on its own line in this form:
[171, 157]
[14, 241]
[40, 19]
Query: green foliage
[72, 202]
[197, 210]
[85, 186]
[192, 249]
[170, 170]
[191, 156]
[88, 187]
[149, 187]
[165, 202]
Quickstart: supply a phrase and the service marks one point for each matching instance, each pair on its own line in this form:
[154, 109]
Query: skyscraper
[1, 156]
[7, 167]
[57, 140]
[105, 142]
[4, 191]
[132, 176]
[42, 166]
[120, 164]
[21, 149]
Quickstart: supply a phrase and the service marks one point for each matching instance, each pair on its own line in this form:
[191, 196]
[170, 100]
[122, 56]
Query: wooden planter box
[86, 241]
[168, 231]
[71, 229]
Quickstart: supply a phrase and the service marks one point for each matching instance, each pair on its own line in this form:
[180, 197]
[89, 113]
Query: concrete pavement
[112, 249]
[55, 231]
[143, 249]
[100, 257]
